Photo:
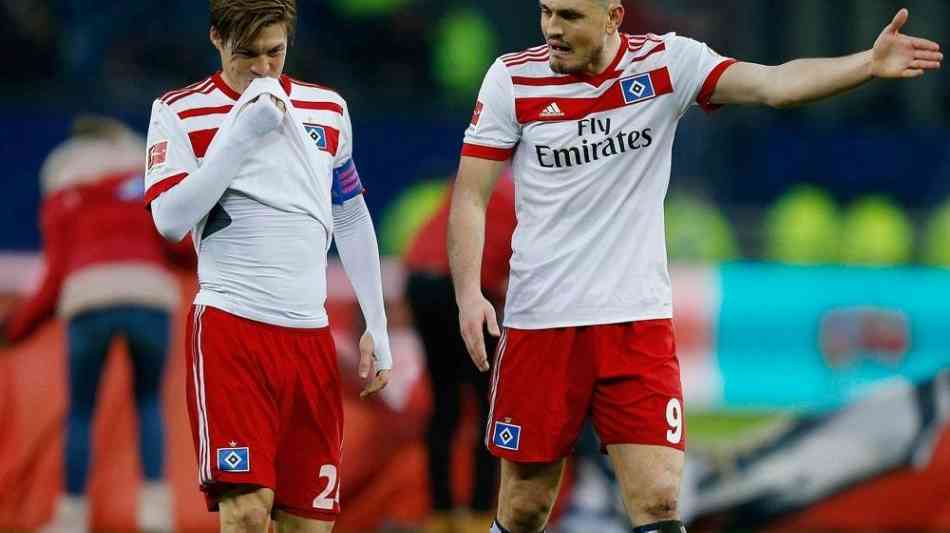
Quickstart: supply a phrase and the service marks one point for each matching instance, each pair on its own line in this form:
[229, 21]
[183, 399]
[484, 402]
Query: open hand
[896, 55]
[381, 377]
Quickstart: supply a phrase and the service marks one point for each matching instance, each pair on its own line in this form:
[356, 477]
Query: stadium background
[777, 219]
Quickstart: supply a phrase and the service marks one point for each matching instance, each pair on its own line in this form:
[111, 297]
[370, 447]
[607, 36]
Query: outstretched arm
[798, 82]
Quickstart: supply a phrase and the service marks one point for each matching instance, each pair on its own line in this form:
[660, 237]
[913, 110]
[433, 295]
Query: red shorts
[266, 409]
[546, 382]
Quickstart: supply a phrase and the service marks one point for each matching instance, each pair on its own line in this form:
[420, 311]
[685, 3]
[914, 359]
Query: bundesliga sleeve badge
[234, 459]
[157, 154]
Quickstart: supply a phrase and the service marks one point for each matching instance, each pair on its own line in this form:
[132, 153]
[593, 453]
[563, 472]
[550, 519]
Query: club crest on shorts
[637, 88]
[234, 459]
[507, 436]
[318, 134]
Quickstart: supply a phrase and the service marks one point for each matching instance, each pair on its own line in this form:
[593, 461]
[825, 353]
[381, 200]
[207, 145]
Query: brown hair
[239, 21]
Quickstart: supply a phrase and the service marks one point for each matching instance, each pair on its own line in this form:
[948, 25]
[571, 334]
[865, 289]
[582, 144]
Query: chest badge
[318, 134]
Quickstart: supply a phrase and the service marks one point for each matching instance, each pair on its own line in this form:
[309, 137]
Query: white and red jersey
[591, 159]
[262, 248]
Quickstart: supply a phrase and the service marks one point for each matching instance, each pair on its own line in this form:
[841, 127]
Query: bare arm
[799, 82]
[466, 239]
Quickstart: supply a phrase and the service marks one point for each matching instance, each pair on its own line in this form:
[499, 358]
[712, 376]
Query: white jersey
[591, 161]
[262, 249]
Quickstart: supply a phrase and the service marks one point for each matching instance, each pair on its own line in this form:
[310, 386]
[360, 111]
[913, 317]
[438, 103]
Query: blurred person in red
[432, 300]
[106, 276]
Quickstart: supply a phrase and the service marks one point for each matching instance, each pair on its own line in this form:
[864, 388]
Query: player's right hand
[261, 116]
[475, 312]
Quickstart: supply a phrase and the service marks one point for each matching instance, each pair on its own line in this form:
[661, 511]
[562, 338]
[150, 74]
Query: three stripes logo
[552, 111]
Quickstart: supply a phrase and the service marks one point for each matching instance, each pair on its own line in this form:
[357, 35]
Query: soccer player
[258, 166]
[587, 120]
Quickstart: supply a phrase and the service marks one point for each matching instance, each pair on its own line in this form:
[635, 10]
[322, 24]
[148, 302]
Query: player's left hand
[896, 55]
[381, 378]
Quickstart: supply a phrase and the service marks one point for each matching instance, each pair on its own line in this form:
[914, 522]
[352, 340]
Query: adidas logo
[552, 110]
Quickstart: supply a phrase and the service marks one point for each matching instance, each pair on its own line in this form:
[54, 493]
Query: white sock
[71, 516]
[155, 508]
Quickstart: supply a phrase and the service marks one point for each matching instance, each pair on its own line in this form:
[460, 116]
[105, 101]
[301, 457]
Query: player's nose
[260, 67]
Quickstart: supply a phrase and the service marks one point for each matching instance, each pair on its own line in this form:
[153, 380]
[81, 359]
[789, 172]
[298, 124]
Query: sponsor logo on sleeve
[234, 459]
[157, 154]
[507, 436]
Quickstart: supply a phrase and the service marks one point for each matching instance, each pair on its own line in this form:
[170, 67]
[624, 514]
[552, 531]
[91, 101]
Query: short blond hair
[239, 22]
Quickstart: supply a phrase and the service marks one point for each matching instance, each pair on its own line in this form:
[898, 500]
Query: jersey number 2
[324, 501]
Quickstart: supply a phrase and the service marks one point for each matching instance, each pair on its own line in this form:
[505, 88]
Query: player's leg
[234, 415]
[310, 442]
[650, 479]
[541, 391]
[637, 411]
[147, 333]
[527, 495]
[245, 509]
[288, 523]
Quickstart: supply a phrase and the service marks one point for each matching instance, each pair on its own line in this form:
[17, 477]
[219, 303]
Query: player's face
[576, 32]
[263, 57]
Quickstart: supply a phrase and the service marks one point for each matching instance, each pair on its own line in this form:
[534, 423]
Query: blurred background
[811, 250]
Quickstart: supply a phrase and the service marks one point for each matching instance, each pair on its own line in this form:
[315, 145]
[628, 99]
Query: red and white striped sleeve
[696, 69]
[494, 130]
[169, 158]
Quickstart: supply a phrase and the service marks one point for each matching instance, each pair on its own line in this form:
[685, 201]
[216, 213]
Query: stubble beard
[579, 68]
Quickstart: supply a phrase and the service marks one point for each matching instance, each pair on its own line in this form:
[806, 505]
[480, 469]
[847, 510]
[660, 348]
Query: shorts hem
[309, 514]
[517, 457]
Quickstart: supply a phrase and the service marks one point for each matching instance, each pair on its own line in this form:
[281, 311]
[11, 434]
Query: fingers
[279, 103]
[924, 44]
[492, 320]
[378, 383]
[475, 343]
[925, 65]
[899, 20]
[912, 73]
[928, 55]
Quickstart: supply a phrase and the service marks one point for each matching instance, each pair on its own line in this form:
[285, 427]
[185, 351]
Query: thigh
[540, 393]
[311, 420]
[649, 477]
[288, 523]
[638, 397]
[231, 404]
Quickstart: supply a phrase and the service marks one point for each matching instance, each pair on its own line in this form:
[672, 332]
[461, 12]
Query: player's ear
[615, 17]
[215, 38]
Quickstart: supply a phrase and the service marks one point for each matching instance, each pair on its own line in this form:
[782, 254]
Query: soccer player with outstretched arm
[587, 121]
[258, 167]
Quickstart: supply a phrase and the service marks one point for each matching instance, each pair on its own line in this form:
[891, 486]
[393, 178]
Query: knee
[658, 502]
[527, 513]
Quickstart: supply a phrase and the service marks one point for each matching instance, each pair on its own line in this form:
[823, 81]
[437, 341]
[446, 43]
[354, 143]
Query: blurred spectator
[803, 227]
[697, 231]
[432, 300]
[876, 231]
[106, 275]
[936, 251]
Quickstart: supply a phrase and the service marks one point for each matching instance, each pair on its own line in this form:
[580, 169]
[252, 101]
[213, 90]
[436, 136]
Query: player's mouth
[559, 49]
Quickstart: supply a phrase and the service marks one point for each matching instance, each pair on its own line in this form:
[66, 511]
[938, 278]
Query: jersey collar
[223, 86]
[610, 72]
